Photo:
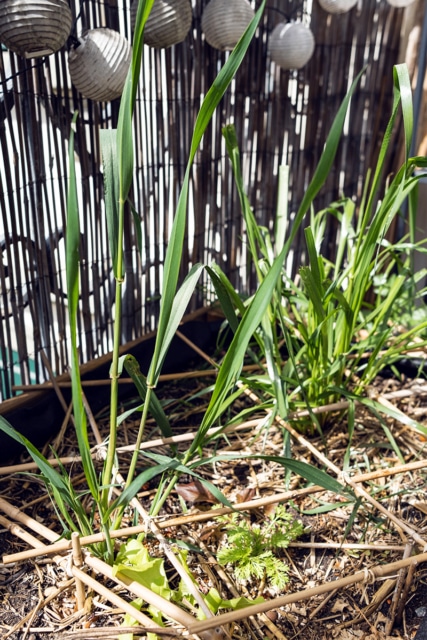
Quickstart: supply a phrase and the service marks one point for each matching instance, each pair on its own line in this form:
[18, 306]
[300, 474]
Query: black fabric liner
[40, 420]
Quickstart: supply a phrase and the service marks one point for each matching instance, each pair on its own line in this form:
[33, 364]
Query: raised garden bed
[354, 572]
[39, 412]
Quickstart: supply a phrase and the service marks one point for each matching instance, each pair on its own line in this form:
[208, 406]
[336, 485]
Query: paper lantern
[400, 3]
[99, 64]
[291, 45]
[34, 29]
[337, 6]
[168, 23]
[225, 21]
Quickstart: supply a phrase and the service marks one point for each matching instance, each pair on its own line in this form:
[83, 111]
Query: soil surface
[341, 537]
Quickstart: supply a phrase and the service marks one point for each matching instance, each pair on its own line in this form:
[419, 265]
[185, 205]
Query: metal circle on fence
[225, 21]
[34, 29]
[291, 45]
[337, 6]
[99, 64]
[168, 23]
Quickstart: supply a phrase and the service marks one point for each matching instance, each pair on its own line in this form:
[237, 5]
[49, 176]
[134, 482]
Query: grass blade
[233, 360]
[179, 306]
[108, 142]
[325, 163]
[72, 271]
[132, 367]
[175, 245]
[310, 473]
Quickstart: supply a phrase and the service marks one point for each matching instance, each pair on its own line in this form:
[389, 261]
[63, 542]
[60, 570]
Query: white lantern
[337, 6]
[400, 3]
[34, 29]
[225, 21]
[291, 45]
[99, 64]
[168, 23]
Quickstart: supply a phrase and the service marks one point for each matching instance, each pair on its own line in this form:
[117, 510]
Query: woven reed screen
[280, 117]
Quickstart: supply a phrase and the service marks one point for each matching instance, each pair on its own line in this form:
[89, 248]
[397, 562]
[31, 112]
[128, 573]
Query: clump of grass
[322, 338]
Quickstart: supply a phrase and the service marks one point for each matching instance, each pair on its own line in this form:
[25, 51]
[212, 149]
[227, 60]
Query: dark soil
[38, 601]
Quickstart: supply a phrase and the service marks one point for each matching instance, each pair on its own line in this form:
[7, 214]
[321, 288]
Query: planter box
[38, 414]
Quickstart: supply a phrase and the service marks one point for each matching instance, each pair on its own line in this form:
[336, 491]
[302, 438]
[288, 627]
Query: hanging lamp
[34, 29]
[168, 23]
[337, 6]
[400, 3]
[225, 21]
[291, 45]
[99, 63]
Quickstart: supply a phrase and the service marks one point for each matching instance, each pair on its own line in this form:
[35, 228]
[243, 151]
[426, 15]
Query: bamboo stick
[409, 581]
[400, 583]
[20, 533]
[275, 498]
[278, 498]
[164, 377]
[168, 608]
[158, 442]
[78, 562]
[23, 518]
[305, 594]
[116, 600]
[107, 633]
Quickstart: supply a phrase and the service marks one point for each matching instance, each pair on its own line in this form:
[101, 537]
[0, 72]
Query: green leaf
[226, 294]
[138, 226]
[281, 222]
[108, 142]
[60, 488]
[325, 163]
[175, 245]
[132, 489]
[233, 360]
[309, 472]
[73, 228]
[314, 293]
[127, 104]
[314, 260]
[72, 240]
[215, 602]
[394, 413]
[256, 241]
[325, 508]
[134, 561]
[182, 469]
[130, 363]
[179, 306]
[142, 14]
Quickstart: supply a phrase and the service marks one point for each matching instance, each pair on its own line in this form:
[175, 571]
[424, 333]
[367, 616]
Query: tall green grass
[317, 321]
[321, 339]
[117, 150]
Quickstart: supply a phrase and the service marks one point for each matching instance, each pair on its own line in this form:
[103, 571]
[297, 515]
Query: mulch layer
[38, 596]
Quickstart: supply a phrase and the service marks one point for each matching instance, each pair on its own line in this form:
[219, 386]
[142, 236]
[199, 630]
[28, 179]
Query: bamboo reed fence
[281, 117]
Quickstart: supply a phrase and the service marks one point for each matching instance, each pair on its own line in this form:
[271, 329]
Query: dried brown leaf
[195, 492]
